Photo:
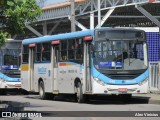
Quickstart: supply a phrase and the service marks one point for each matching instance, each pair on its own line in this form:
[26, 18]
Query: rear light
[87, 38]
[56, 42]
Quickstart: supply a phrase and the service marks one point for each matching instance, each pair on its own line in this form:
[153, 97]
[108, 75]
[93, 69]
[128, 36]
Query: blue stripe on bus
[9, 79]
[107, 80]
[59, 37]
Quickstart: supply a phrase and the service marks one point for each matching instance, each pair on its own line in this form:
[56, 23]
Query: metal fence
[154, 76]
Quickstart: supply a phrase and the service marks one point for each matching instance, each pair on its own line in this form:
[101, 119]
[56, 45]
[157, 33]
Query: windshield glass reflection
[126, 55]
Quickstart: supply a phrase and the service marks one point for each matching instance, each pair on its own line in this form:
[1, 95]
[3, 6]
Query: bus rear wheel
[79, 96]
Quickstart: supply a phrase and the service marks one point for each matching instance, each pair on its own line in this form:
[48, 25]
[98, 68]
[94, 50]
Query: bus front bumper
[119, 89]
[10, 85]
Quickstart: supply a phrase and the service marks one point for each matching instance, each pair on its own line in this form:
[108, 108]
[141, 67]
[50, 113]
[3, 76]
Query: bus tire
[42, 90]
[43, 95]
[79, 95]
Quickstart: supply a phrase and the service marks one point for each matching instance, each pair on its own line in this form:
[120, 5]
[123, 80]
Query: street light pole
[99, 13]
[73, 29]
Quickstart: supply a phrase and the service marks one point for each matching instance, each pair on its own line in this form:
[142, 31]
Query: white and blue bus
[92, 62]
[9, 66]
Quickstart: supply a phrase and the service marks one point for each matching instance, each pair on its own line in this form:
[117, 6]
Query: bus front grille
[123, 76]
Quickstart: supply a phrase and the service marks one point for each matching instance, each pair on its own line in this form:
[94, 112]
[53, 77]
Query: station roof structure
[114, 13]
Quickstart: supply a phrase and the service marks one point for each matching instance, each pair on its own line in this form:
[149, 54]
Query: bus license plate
[122, 89]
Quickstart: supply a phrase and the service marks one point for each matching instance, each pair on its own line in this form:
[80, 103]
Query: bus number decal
[63, 72]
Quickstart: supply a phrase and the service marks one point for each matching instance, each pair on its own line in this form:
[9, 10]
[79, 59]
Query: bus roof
[58, 37]
[69, 35]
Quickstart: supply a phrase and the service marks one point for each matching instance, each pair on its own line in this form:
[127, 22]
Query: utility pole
[73, 28]
[99, 13]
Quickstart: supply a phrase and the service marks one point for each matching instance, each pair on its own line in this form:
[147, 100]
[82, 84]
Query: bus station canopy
[120, 13]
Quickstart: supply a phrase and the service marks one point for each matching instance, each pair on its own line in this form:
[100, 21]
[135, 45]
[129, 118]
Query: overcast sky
[50, 2]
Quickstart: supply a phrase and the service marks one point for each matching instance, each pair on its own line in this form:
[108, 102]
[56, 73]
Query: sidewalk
[153, 98]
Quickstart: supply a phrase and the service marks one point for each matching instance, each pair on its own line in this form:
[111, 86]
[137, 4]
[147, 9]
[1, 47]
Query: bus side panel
[67, 73]
[42, 72]
[65, 79]
[25, 77]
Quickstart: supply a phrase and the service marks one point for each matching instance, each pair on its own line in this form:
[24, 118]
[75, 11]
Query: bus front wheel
[79, 95]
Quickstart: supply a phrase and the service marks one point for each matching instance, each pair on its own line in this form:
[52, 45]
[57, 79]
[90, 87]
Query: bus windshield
[120, 54]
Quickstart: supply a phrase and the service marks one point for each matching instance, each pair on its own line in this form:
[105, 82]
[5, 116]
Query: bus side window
[38, 53]
[38, 57]
[25, 53]
[46, 51]
[79, 49]
[71, 49]
[63, 50]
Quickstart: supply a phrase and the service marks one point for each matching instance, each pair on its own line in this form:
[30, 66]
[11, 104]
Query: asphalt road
[65, 103]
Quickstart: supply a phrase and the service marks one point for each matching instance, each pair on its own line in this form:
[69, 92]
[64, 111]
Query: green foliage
[18, 12]
[3, 36]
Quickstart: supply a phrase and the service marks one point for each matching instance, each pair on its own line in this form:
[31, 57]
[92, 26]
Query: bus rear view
[120, 62]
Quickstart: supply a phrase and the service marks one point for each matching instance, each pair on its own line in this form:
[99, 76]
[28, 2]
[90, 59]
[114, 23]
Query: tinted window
[38, 53]
[71, 50]
[46, 52]
[25, 53]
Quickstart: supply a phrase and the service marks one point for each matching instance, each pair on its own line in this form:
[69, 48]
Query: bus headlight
[99, 81]
[143, 82]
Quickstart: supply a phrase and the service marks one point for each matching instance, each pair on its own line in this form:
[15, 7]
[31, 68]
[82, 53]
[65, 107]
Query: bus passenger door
[31, 66]
[54, 66]
[87, 67]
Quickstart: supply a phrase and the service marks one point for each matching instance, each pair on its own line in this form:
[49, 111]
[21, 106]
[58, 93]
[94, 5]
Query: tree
[3, 38]
[17, 13]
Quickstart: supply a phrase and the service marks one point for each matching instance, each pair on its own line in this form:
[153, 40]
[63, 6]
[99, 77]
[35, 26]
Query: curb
[152, 101]
[150, 98]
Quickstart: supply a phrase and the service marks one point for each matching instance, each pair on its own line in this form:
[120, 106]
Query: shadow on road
[99, 100]
[96, 100]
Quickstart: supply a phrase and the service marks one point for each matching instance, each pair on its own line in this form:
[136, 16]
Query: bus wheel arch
[76, 81]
